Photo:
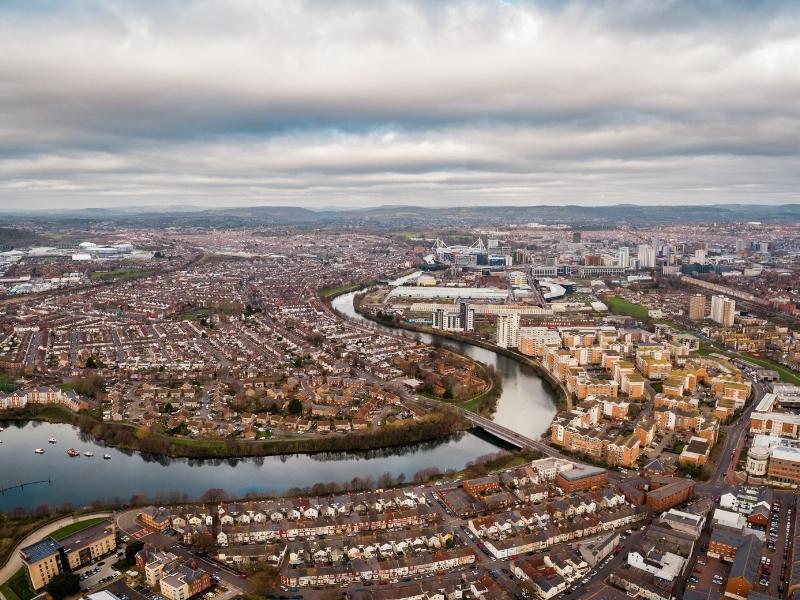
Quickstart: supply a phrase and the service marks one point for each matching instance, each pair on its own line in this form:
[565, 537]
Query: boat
[52, 440]
[107, 456]
[73, 452]
[88, 453]
[39, 451]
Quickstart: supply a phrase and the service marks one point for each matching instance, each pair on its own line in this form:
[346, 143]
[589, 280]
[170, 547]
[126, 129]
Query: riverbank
[439, 425]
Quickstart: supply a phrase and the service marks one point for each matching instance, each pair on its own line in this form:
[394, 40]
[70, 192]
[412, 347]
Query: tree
[213, 496]
[263, 581]
[295, 406]
[63, 585]
[203, 542]
[133, 549]
[93, 363]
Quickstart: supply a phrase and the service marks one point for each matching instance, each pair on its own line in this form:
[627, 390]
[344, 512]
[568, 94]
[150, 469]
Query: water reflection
[82, 480]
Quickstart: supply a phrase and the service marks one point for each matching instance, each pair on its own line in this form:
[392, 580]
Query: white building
[723, 310]
[624, 257]
[508, 330]
[647, 256]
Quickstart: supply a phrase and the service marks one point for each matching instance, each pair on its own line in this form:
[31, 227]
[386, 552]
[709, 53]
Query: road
[14, 563]
[724, 474]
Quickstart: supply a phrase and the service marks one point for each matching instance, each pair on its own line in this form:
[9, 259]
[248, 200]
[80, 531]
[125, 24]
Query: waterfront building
[47, 558]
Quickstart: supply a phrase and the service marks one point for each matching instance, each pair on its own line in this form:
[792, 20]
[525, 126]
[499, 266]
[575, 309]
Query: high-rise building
[576, 237]
[624, 257]
[647, 256]
[697, 307]
[446, 319]
[723, 310]
[508, 330]
[467, 316]
[699, 256]
[740, 245]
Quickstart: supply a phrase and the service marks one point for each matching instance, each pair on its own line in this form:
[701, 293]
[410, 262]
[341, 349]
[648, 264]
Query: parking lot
[99, 573]
[709, 576]
[778, 545]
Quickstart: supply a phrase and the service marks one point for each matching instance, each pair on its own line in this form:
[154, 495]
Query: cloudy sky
[340, 104]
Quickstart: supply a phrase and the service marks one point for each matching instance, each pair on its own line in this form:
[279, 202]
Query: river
[525, 405]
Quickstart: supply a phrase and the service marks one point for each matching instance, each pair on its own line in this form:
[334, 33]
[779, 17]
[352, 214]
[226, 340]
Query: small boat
[73, 452]
[107, 456]
[88, 453]
[39, 451]
[52, 440]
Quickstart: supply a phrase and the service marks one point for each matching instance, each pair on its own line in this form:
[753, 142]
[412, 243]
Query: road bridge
[510, 436]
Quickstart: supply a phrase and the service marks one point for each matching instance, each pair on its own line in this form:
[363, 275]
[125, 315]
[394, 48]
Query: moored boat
[39, 451]
[52, 440]
[88, 453]
[107, 456]
[73, 452]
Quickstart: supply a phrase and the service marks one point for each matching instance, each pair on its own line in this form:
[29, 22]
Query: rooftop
[40, 550]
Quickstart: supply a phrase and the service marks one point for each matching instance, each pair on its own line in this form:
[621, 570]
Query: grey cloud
[399, 101]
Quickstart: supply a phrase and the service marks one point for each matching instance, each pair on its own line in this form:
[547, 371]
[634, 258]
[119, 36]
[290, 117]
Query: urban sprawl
[670, 470]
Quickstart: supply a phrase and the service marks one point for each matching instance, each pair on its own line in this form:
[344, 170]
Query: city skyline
[350, 104]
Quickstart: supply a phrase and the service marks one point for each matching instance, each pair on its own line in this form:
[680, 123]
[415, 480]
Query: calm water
[81, 480]
[525, 405]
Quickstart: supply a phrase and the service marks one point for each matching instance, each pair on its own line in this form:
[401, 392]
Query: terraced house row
[388, 570]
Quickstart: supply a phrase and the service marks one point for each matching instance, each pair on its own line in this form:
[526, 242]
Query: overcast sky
[106, 103]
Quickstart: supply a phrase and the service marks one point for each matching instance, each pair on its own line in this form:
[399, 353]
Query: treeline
[488, 401]
[439, 424]
[478, 467]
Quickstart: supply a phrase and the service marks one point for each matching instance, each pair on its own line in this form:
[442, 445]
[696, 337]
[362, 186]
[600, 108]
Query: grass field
[787, 375]
[192, 314]
[342, 289]
[623, 307]
[7, 383]
[121, 274]
[17, 588]
[60, 534]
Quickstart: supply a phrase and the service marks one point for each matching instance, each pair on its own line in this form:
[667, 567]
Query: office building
[697, 307]
[723, 310]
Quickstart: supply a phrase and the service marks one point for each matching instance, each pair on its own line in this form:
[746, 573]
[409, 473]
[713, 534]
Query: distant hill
[399, 217]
